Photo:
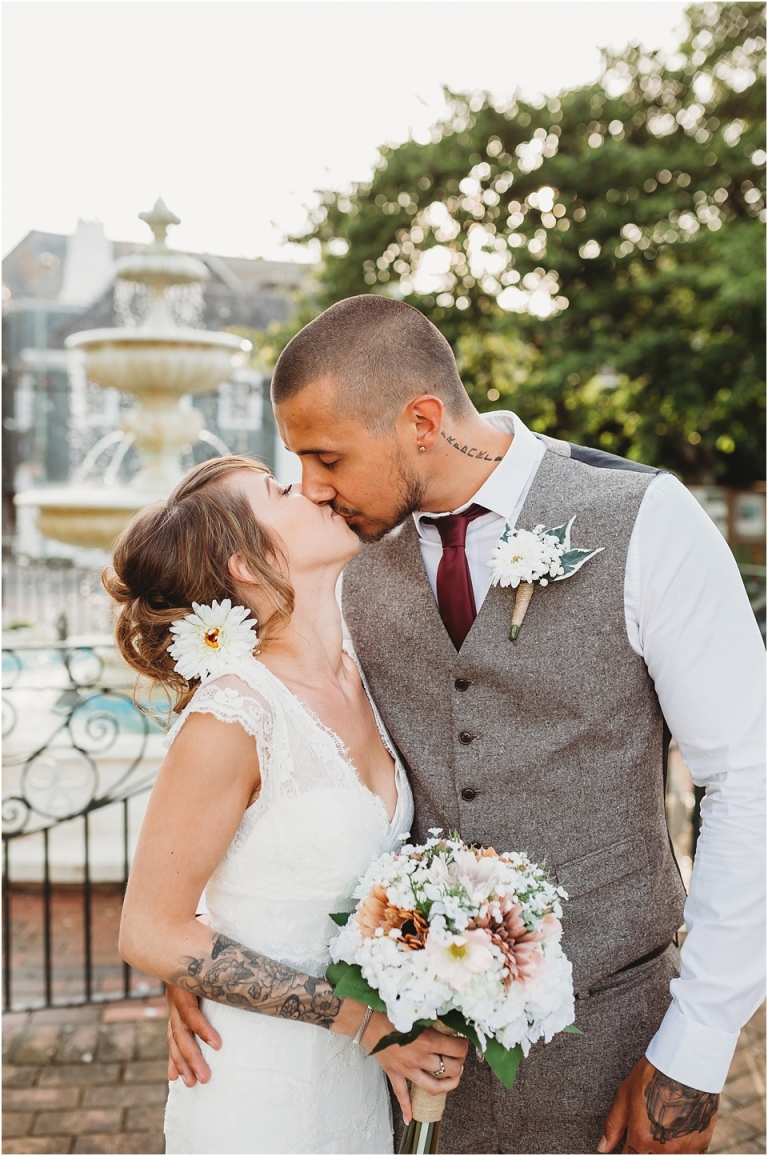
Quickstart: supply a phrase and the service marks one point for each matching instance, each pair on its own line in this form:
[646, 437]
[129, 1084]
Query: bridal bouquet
[461, 938]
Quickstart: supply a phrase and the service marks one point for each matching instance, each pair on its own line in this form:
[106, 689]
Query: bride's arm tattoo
[676, 1110]
[242, 978]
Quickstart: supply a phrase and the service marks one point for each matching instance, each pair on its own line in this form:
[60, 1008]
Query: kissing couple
[307, 754]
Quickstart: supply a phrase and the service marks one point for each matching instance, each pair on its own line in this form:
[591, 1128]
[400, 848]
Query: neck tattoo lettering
[470, 451]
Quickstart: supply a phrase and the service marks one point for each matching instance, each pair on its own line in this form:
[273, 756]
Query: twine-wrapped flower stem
[522, 602]
[423, 1132]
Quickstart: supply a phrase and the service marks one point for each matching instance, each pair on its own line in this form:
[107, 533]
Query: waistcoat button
[462, 684]
[468, 794]
[466, 738]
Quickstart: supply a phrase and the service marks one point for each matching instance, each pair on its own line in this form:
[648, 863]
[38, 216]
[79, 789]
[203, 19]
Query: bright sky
[234, 111]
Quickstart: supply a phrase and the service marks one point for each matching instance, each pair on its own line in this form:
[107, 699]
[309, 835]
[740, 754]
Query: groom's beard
[409, 497]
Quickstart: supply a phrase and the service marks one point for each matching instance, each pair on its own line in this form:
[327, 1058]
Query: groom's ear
[424, 419]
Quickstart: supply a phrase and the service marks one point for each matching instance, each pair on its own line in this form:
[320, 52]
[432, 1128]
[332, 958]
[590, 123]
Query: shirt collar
[500, 493]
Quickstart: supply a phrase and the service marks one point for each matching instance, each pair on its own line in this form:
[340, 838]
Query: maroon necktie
[455, 597]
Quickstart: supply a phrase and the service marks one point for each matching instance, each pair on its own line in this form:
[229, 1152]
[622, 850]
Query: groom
[555, 744]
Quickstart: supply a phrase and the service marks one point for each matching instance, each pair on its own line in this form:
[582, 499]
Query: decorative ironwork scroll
[77, 718]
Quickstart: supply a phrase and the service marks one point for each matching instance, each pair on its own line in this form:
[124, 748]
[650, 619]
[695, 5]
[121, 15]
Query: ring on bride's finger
[440, 1073]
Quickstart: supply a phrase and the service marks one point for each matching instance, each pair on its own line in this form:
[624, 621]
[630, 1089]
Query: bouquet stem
[420, 1137]
[423, 1132]
[522, 602]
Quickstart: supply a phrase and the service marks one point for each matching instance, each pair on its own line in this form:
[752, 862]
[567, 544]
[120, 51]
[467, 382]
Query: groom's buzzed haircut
[380, 353]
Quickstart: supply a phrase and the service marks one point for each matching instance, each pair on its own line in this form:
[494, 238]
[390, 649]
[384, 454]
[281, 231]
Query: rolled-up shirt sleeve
[689, 617]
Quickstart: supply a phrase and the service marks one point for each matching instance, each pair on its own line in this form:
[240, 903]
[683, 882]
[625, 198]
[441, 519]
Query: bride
[279, 787]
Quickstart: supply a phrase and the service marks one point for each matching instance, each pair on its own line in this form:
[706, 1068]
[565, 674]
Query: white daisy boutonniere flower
[522, 558]
[212, 639]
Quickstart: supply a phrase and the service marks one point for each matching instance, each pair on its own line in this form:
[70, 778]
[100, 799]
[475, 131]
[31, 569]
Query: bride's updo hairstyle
[176, 552]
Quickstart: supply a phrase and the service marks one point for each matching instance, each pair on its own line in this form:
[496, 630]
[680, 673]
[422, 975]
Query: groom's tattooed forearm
[470, 451]
[242, 978]
[676, 1110]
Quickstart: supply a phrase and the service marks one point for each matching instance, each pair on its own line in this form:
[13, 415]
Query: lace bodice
[314, 829]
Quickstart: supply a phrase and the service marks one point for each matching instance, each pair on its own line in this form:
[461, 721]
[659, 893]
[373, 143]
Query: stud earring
[422, 449]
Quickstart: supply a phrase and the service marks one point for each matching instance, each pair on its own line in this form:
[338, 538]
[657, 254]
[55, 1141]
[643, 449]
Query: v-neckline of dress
[341, 748]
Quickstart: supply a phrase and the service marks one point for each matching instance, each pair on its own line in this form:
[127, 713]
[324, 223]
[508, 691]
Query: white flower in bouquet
[212, 639]
[476, 876]
[456, 959]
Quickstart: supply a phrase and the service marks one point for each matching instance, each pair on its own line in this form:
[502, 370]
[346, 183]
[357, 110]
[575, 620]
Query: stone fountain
[159, 363]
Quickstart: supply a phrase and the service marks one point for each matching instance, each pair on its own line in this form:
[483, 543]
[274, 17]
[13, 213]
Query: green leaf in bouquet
[503, 1062]
[402, 1038]
[348, 983]
[341, 918]
[462, 1027]
[572, 1028]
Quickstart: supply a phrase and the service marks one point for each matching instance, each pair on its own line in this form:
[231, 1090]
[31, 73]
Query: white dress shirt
[688, 616]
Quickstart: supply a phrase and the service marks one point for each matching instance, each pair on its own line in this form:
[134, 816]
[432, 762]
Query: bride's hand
[185, 1021]
[417, 1061]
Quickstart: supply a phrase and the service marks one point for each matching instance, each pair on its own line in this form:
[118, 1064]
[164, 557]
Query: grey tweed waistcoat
[554, 745]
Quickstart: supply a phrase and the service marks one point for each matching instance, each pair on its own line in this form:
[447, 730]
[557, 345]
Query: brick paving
[93, 1079]
[85, 1080]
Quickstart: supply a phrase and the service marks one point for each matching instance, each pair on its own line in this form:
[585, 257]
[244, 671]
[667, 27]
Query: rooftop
[75, 270]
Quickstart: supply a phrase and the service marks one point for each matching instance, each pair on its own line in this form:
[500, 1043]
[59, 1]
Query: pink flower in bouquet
[551, 925]
[529, 963]
[458, 957]
[476, 876]
[520, 946]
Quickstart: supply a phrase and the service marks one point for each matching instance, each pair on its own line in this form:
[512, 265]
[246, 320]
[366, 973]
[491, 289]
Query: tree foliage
[596, 260]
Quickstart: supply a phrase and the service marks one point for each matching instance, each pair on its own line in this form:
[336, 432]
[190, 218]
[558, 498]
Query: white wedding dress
[280, 1085]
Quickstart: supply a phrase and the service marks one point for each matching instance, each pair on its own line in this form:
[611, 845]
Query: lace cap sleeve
[233, 698]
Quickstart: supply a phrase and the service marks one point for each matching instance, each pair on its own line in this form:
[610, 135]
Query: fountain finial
[159, 219]
[157, 265]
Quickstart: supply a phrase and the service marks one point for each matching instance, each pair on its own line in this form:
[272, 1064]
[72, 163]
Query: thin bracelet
[363, 1025]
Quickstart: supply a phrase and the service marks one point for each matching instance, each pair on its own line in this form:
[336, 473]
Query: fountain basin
[177, 362]
[83, 515]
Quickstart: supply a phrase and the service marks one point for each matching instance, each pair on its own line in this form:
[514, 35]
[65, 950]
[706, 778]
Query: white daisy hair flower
[212, 639]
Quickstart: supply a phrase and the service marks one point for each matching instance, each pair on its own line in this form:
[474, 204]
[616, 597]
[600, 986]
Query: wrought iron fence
[79, 761]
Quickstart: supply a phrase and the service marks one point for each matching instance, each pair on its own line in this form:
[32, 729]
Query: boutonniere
[212, 639]
[522, 558]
